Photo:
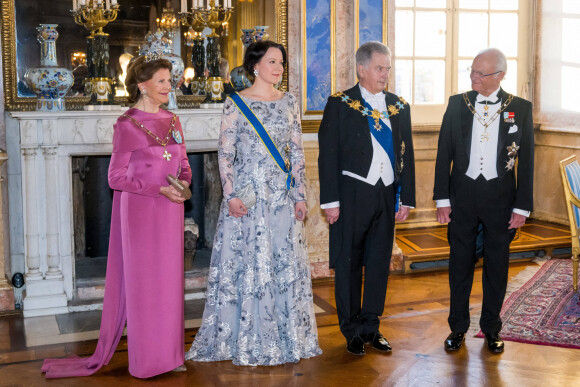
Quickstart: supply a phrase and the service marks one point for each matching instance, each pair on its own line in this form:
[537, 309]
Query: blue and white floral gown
[259, 308]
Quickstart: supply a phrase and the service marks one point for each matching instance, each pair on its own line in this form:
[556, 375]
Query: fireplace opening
[92, 203]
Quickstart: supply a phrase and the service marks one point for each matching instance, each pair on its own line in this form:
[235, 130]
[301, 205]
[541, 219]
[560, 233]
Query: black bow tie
[489, 102]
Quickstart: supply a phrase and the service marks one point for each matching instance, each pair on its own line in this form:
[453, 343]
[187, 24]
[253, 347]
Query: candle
[113, 2]
[215, 3]
[74, 4]
[183, 5]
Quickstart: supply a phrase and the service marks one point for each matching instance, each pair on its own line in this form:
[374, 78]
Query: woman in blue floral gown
[259, 308]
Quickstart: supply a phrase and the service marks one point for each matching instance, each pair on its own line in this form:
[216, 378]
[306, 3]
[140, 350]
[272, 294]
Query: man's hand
[443, 215]
[403, 213]
[332, 214]
[517, 221]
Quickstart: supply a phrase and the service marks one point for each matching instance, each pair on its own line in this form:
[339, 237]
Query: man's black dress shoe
[454, 341]
[378, 341]
[494, 342]
[355, 345]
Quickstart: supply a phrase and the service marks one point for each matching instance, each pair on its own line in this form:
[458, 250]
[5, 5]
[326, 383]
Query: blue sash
[384, 137]
[283, 164]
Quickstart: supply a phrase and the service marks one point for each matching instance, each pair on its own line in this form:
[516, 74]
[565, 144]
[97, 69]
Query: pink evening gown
[144, 283]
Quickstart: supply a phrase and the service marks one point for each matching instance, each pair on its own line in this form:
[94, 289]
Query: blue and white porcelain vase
[260, 33]
[48, 81]
[238, 77]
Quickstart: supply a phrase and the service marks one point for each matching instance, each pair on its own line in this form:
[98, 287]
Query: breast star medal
[512, 153]
[177, 136]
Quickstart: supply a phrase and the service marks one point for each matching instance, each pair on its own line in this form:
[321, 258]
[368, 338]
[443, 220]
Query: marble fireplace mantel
[40, 147]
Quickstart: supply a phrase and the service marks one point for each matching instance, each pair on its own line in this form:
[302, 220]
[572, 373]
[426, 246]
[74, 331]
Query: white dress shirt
[381, 167]
[483, 155]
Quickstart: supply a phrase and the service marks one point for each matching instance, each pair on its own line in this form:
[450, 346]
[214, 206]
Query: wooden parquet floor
[414, 321]
[430, 244]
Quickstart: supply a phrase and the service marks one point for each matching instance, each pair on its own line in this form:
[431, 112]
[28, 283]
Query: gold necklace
[374, 114]
[166, 155]
[485, 136]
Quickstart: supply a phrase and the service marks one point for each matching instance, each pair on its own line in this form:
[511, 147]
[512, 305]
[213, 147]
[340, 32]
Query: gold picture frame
[12, 102]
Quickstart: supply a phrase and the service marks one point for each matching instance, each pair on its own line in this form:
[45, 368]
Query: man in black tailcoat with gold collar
[366, 171]
[483, 176]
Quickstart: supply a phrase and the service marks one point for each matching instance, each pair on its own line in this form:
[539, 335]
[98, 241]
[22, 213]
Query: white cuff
[443, 203]
[330, 205]
[522, 212]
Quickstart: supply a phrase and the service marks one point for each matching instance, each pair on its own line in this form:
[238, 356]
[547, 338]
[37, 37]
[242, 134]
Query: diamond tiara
[153, 55]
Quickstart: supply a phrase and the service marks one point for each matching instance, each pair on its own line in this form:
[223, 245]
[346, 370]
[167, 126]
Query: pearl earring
[255, 72]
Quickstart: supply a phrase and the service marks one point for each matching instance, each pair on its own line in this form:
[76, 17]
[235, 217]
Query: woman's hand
[237, 208]
[172, 194]
[300, 210]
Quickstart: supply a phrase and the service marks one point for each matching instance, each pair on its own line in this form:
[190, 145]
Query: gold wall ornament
[12, 102]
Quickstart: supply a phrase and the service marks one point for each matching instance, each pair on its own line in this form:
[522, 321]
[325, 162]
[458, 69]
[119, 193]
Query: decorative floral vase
[260, 33]
[49, 82]
[247, 37]
[177, 69]
[238, 76]
[239, 80]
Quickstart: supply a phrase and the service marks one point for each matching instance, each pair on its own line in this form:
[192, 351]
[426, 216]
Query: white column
[52, 234]
[6, 291]
[44, 294]
[33, 272]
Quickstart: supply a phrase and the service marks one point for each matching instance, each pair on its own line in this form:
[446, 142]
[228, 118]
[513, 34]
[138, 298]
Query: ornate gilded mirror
[20, 50]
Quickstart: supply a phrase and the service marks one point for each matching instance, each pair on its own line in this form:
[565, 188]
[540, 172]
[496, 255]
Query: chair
[570, 170]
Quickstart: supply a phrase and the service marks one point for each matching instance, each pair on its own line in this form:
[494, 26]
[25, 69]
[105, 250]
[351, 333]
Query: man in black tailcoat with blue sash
[483, 176]
[367, 180]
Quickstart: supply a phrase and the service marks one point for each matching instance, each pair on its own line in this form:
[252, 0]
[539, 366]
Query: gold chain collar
[374, 114]
[166, 155]
[479, 118]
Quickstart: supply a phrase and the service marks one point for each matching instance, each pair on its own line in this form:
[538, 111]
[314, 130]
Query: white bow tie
[491, 99]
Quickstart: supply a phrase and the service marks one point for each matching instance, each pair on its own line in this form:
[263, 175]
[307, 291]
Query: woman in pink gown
[144, 283]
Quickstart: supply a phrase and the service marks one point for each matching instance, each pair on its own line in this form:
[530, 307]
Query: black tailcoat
[345, 145]
[454, 149]
[483, 202]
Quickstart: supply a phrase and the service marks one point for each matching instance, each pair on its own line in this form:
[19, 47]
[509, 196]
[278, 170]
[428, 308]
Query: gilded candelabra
[168, 23]
[94, 15]
[212, 14]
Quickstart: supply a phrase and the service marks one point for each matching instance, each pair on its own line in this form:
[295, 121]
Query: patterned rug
[545, 310]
